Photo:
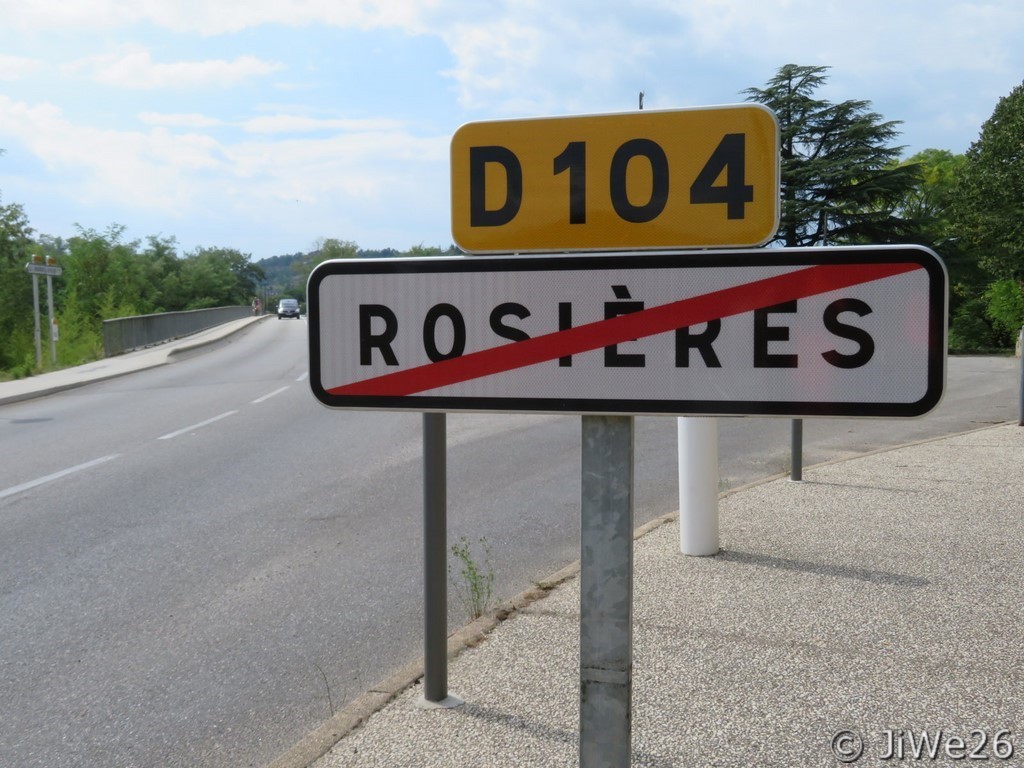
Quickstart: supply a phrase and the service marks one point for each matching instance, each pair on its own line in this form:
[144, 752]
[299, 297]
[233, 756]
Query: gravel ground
[882, 596]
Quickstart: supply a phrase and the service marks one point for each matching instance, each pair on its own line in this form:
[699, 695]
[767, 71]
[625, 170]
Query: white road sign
[43, 269]
[786, 332]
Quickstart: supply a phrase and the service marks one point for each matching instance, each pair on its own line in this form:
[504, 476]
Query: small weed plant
[472, 579]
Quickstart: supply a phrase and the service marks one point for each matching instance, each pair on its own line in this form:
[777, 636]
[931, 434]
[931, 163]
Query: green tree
[102, 279]
[218, 277]
[325, 249]
[929, 203]
[15, 236]
[929, 207]
[332, 248]
[1005, 307]
[986, 222]
[17, 345]
[988, 213]
[105, 272]
[424, 250]
[81, 333]
[161, 273]
[840, 179]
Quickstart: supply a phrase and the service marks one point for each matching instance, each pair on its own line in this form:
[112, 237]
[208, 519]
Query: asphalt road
[199, 562]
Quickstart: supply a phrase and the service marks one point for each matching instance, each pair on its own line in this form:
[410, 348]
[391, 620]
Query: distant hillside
[278, 270]
[286, 275]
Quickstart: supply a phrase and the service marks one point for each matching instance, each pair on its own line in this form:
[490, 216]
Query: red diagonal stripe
[603, 333]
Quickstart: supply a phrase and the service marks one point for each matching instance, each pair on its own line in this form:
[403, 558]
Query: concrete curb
[53, 389]
[187, 345]
[157, 356]
[320, 741]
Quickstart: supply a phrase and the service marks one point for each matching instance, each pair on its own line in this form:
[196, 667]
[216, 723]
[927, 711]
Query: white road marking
[55, 476]
[172, 435]
[303, 377]
[268, 396]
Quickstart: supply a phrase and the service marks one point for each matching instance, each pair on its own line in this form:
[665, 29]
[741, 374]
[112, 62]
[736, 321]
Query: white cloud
[872, 36]
[281, 123]
[515, 55]
[938, 65]
[533, 58]
[138, 169]
[330, 170]
[182, 174]
[17, 67]
[214, 18]
[54, 14]
[491, 59]
[179, 120]
[133, 67]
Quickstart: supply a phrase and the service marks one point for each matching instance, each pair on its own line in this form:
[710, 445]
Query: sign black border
[926, 258]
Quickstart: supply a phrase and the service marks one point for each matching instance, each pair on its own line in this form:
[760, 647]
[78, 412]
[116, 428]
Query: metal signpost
[36, 269]
[435, 562]
[784, 332]
[638, 330]
[606, 591]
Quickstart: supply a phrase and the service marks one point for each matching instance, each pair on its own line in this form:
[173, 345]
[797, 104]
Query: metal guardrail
[124, 334]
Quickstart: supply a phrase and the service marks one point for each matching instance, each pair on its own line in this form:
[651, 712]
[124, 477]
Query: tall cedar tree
[840, 178]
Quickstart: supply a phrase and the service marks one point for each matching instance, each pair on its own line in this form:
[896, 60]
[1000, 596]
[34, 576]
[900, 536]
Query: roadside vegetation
[472, 576]
[844, 182]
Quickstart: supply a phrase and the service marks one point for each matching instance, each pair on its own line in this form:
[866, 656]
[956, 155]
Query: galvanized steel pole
[606, 592]
[435, 558]
[796, 456]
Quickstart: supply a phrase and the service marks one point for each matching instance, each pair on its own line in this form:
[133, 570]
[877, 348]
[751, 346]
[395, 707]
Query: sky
[268, 125]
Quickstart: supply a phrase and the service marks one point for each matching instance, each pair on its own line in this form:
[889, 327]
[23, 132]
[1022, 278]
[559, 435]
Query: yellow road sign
[640, 180]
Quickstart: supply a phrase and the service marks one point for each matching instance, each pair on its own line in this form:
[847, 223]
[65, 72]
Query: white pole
[698, 486]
